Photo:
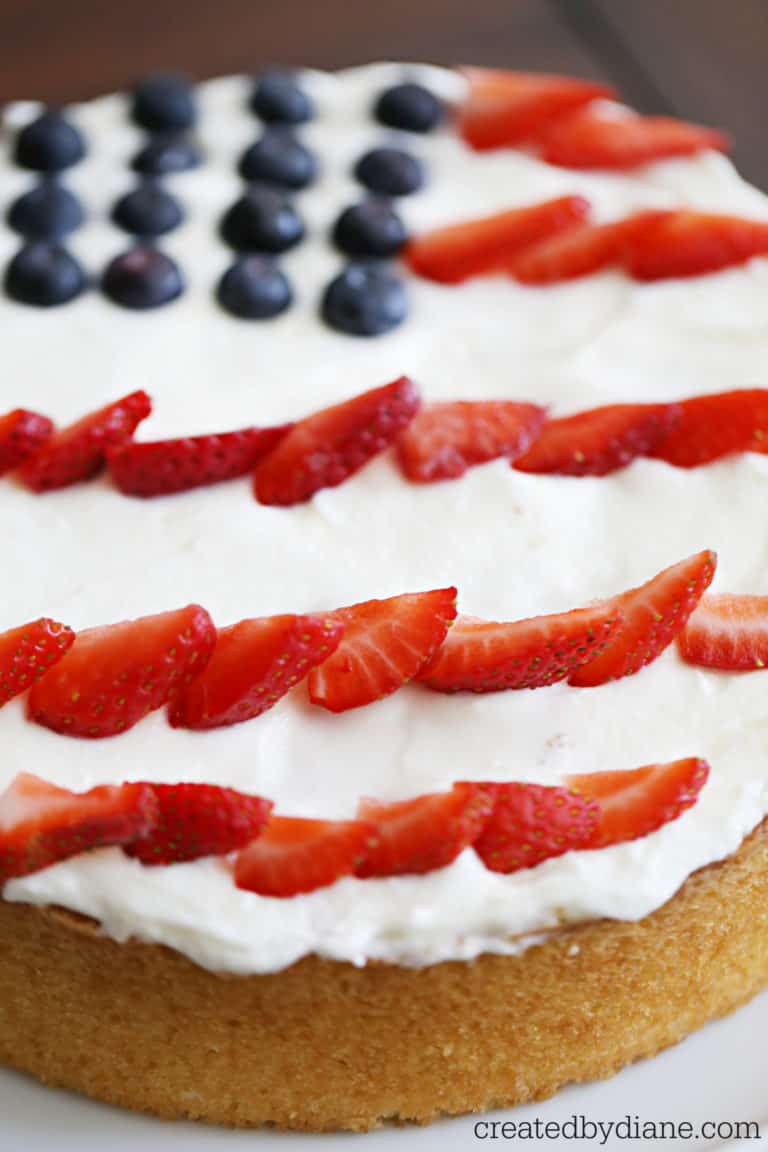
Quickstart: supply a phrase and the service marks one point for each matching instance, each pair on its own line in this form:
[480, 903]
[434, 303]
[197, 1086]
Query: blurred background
[701, 59]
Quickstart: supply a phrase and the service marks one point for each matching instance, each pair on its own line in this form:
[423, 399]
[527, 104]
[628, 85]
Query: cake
[524, 378]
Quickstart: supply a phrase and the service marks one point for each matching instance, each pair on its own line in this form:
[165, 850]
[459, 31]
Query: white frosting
[515, 545]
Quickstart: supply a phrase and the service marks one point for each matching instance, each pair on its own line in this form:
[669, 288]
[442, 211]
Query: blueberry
[254, 288]
[147, 211]
[44, 275]
[390, 171]
[410, 107]
[143, 277]
[278, 99]
[49, 144]
[164, 102]
[365, 300]
[47, 212]
[166, 155]
[278, 157]
[371, 228]
[263, 220]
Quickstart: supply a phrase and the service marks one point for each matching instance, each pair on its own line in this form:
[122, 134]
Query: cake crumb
[557, 741]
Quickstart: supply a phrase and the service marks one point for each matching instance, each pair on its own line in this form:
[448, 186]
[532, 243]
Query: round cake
[329, 359]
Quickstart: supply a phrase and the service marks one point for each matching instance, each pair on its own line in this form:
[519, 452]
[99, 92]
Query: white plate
[717, 1075]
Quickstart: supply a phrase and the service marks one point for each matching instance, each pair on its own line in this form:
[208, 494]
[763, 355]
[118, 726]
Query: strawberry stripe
[558, 116]
[444, 440]
[509, 825]
[89, 685]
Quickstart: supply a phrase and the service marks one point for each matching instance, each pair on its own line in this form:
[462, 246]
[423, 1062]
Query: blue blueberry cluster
[367, 298]
[265, 222]
[43, 272]
[144, 276]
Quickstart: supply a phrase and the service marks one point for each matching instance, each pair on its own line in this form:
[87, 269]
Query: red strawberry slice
[490, 244]
[78, 452]
[28, 652]
[506, 108]
[583, 251]
[729, 632]
[161, 467]
[22, 433]
[194, 820]
[599, 440]
[385, 644]
[484, 656]
[634, 803]
[713, 426]
[324, 449]
[114, 676]
[694, 243]
[652, 615]
[253, 665]
[443, 440]
[425, 833]
[295, 855]
[590, 140]
[41, 824]
[534, 822]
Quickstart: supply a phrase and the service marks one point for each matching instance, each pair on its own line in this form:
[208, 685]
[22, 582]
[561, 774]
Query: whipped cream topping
[514, 544]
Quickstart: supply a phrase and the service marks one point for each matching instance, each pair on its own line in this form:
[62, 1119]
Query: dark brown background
[703, 59]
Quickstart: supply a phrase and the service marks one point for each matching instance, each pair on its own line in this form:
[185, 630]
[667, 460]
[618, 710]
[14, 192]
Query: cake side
[324, 1045]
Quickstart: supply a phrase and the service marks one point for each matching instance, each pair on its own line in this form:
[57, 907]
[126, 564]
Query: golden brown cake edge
[324, 1045]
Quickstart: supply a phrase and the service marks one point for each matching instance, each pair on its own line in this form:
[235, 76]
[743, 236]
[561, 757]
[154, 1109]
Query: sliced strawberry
[713, 426]
[507, 108]
[443, 440]
[385, 644]
[253, 665]
[534, 822]
[161, 467]
[599, 440]
[583, 251]
[689, 243]
[590, 140]
[41, 824]
[324, 449]
[484, 656]
[78, 452]
[652, 615]
[425, 833]
[728, 632]
[22, 433]
[28, 652]
[294, 855]
[194, 820]
[113, 676]
[490, 243]
[634, 803]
